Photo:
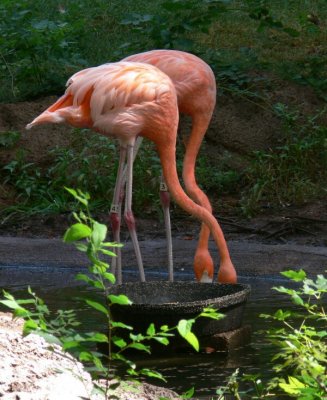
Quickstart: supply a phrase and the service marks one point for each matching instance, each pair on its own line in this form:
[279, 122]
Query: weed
[293, 172]
[9, 139]
[300, 360]
[89, 237]
[91, 162]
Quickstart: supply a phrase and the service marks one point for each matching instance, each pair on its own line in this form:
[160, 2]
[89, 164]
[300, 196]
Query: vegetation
[292, 172]
[299, 337]
[89, 236]
[43, 43]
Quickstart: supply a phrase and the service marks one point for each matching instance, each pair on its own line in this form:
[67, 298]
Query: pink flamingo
[125, 100]
[195, 86]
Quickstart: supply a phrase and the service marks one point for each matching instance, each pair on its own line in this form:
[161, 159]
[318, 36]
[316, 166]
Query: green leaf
[184, 326]
[121, 325]
[80, 196]
[109, 276]
[120, 299]
[97, 337]
[152, 374]
[293, 387]
[188, 394]
[119, 342]
[281, 315]
[296, 276]
[140, 346]
[81, 247]
[77, 232]
[136, 338]
[10, 304]
[49, 337]
[87, 279]
[192, 340]
[99, 233]
[297, 299]
[71, 344]
[184, 329]
[151, 330]
[162, 340]
[209, 312]
[29, 326]
[108, 253]
[97, 306]
[85, 356]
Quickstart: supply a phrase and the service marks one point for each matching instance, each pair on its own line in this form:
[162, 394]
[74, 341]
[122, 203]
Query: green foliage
[89, 236]
[9, 139]
[34, 48]
[300, 358]
[293, 172]
[91, 161]
[42, 43]
[175, 23]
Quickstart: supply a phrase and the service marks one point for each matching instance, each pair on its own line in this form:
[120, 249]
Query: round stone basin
[165, 303]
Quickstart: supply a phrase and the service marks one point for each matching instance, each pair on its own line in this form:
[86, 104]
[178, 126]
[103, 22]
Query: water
[204, 371]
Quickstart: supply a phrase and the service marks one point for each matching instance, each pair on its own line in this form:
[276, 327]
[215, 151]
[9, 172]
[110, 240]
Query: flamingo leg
[128, 213]
[165, 203]
[115, 215]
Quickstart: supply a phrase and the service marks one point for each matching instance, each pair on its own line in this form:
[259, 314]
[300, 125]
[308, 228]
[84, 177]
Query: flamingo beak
[205, 278]
[47, 117]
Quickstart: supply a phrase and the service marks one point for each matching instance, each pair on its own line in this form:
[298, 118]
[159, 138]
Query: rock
[29, 370]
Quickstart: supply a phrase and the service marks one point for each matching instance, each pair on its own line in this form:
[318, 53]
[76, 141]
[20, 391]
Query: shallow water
[182, 371]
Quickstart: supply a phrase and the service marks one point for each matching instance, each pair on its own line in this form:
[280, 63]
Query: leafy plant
[300, 357]
[9, 139]
[292, 172]
[34, 48]
[90, 161]
[301, 361]
[174, 25]
[89, 237]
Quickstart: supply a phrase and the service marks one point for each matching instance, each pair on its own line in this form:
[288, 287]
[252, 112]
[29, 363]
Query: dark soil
[304, 225]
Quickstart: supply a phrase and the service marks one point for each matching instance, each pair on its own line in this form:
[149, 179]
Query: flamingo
[125, 100]
[195, 86]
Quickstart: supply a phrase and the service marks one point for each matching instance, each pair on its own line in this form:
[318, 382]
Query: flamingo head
[47, 117]
[227, 273]
[203, 266]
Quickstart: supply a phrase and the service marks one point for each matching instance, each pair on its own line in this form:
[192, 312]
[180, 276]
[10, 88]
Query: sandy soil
[29, 370]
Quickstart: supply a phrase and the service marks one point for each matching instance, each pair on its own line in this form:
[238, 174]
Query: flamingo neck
[168, 162]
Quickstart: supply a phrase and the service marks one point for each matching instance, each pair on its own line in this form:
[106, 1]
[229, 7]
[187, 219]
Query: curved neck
[168, 162]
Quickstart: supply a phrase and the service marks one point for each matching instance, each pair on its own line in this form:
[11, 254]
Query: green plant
[91, 162]
[9, 139]
[301, 361]
[292, 172]
[34, 47]
[89, 236]
[174, 25]
[300, 357]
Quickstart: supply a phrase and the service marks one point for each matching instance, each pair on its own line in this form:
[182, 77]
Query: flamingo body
[125, 100]
[195, 86]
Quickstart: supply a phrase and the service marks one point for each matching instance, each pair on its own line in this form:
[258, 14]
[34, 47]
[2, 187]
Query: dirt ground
[231, 124]
[31, 371]
[305, 225]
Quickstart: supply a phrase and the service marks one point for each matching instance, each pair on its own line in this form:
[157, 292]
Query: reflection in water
[203, 371]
